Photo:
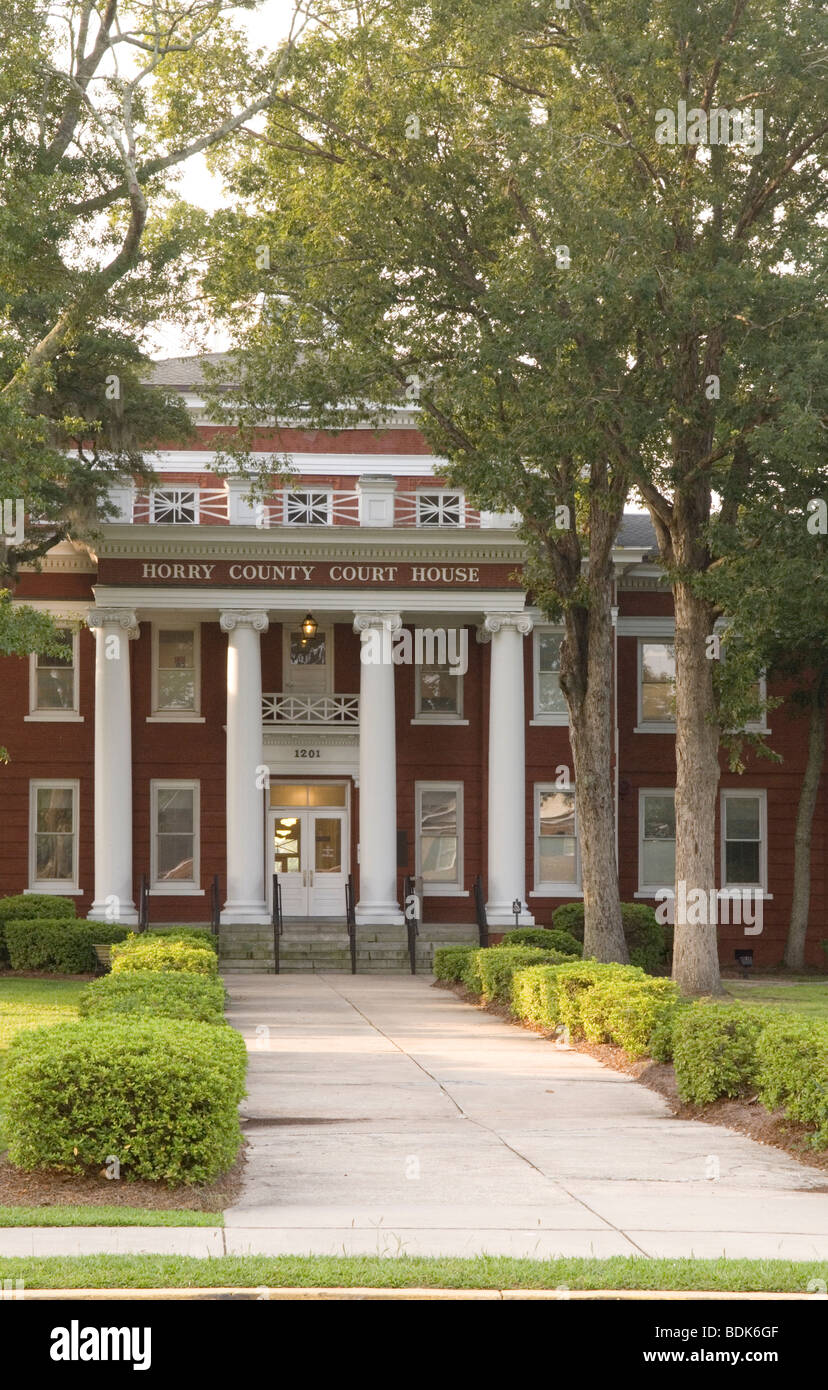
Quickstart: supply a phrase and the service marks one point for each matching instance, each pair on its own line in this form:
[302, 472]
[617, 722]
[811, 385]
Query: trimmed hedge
[488, 972]
[160, 1098]
[625, 1011]
[545, 938]
[194, 936]
[450, 962]
[155, 994]
[163, 954]
[603, 1003]
[22, 907]
[792, 1071]
[648, 942]
[65, 946]
[714, 1050]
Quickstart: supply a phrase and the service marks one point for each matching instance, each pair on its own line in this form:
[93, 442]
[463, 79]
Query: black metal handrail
[215, 904]
[350, 920]
[143, 903]
[480, 909]
[278, 924]
[411, 907]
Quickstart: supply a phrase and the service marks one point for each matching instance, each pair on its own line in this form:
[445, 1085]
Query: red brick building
[199, 731]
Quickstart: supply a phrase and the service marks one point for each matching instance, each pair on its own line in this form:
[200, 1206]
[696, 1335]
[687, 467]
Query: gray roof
[185, 373]
[636, 532]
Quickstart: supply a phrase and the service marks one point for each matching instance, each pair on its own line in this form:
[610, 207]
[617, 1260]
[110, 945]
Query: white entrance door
[310, 855]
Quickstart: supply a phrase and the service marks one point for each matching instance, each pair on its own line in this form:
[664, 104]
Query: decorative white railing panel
[281, 708]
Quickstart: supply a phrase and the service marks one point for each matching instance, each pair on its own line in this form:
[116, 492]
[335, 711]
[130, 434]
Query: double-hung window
[174, 850]
[439, 830]
[53, 681]
[557, 860]
[656, 686]
[53, 836]
[657, 840]
[550, 704]
[744, 839]
[176, 671]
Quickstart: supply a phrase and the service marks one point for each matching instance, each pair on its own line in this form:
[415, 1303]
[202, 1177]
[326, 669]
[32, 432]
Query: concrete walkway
[386, 1117]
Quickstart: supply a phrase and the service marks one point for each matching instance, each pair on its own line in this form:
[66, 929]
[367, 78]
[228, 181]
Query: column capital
[381, 622]
[125, 618]
[231, 618]
[497, 622]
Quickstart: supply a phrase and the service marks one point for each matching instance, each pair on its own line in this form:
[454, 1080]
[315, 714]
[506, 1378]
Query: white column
[377, 772]
[507, 769]
[245, 808]
[113, 629]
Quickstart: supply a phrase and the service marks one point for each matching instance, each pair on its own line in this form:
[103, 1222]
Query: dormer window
[175, 506]
[440, 508]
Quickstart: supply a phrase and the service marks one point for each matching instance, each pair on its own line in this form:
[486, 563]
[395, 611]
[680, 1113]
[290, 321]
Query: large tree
[101, 103]
[482, 206]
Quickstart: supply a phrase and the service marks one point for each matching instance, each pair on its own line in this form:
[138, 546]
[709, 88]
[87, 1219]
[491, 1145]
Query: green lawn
[107, 1216]
[483, 1272]
[808, 998]
[30, 1003]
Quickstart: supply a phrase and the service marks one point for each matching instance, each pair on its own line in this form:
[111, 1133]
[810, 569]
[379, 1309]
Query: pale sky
[265, 26]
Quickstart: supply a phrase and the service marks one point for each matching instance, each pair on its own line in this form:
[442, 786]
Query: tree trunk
[798, 928]
[586, 680]
[695, 950]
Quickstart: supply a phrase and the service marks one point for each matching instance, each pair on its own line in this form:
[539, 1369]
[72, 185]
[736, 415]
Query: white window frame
[177, 489]
[731, 793]
[318, 492]
[545, 888]
[57, 887]
[172, 716]
[440, 890]
[56, 716]
[650, 726]
[181, 888]
[456, 494]
[649, 890]
[540, 717]
[422, 716]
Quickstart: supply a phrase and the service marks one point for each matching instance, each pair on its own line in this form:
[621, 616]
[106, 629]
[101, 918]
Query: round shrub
[647, 940]
[156, 994]
[625, 1011]
[65, 946]
[545, 939]
[21, 907]
[194, 936]
[147, 953]
[660, 1046]
[792, 1058]
[554, 995]
[714, 1050]
[450, 961]
[160, 1098]
[489, 972]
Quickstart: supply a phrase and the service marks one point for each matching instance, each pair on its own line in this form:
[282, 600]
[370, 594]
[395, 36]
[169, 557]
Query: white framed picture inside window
[54, 681]
[549, 702]
[53, 836]
[438, 693]
[744, 853]
[439, 837]
[557, 855]
[656, 840]
[656, 686]
[175, 837]
[176, 671]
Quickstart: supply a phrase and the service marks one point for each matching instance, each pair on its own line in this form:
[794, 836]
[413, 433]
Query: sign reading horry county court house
[294, 574]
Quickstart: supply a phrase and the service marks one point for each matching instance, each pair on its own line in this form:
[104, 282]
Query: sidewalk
[387, 1117]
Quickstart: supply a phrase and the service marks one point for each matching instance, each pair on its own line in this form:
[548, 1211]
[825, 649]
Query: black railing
[411, 906]
[480, 909]
[350, 920]
[278, 925]
[143, 903]
[215, 904]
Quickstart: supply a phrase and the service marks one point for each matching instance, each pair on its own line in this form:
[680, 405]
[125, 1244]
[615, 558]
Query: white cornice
[354, 544]
[321, 465]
